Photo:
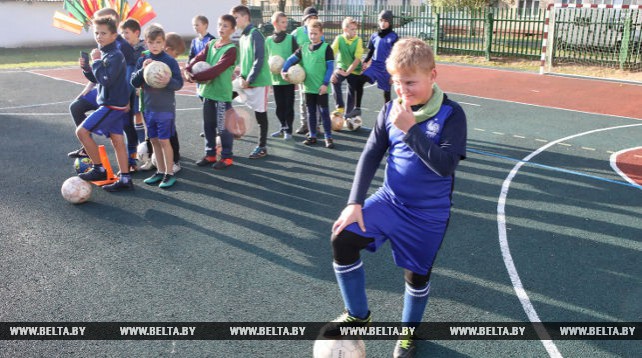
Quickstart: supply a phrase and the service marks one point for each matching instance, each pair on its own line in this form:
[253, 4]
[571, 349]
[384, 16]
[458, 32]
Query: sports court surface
[546, 225]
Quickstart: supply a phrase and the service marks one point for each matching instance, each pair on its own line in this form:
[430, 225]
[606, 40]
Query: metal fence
[609, 37]
[492, 32]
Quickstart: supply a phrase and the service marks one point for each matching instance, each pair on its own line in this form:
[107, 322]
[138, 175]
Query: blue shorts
[377, 73]
[106, 121]
[135, 104]
[91, 97]
[160, 124]
[415, 234]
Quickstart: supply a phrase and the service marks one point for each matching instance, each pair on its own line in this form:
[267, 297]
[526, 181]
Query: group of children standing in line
[422, 132]
[249, 60]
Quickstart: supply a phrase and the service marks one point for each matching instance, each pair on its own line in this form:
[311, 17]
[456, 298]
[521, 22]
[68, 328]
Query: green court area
[542, 228]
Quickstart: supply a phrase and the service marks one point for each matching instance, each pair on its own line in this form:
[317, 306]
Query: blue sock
[352, 283]
[414, 305]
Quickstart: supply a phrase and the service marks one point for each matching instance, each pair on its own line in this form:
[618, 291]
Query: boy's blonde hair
[349, 21]
[175, 42]
[410, 55]
[315, 24]
[277, 15]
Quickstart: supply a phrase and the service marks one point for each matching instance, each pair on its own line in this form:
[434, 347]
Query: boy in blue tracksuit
[374, 65]
[109, 71]
[160, 105]
[424, 134]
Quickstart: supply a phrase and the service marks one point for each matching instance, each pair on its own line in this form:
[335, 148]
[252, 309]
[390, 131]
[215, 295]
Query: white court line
[521, 293]
[34, 105]
[35, 114]
[613, 161]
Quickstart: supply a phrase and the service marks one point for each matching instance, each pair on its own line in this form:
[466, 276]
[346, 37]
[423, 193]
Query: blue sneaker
[278, 134]
[168, 181]
[258, 152]
[119, 186]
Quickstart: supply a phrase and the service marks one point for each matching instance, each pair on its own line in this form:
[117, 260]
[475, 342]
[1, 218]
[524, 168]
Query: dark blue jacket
[110, 73]
[158, 99]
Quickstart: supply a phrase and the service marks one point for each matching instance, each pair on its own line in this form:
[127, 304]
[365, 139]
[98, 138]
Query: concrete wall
[28, 24]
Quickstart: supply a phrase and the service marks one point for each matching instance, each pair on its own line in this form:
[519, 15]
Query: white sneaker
[147, 165]
[177, 167]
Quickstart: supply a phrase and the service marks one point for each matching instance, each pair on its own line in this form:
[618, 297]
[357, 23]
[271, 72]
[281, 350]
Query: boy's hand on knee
[351, 213]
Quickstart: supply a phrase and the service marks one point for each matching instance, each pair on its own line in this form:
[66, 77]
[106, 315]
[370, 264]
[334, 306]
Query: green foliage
[469, 4]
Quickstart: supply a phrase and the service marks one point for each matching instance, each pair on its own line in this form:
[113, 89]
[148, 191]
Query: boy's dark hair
[229, 18]
[131, 24]
[175, 42]
[202, 19]
[153, 31]
[241, 10]
[107, 11]
[107, 20]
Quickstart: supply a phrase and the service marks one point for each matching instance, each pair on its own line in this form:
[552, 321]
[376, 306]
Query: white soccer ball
[200, 66]
[354, 123]
[236, 87]
[276, 64]
[75, 190]
[151, 72]
[296, 74]
[339, 348]
[142, 152]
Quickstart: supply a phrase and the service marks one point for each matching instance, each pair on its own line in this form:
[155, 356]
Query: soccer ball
[296, 74]
[75, 190]
[83, 165]
[142, 151]
[236, 87]
[153, 70]
[238, 121]
[337, 122]
[200, 66]
[340, 348]
[276, 64]
[354, 123]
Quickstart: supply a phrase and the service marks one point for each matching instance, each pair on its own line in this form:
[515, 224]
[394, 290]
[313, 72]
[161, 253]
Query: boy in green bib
[317, 60]
[282, 44]
[216, 90]
[348, 49]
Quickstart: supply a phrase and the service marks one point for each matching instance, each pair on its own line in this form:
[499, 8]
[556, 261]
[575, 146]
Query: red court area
[586, 95]
[630, 164]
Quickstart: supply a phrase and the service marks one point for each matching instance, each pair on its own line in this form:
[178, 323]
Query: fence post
[488, 34]
[437, 33]
[626, 39]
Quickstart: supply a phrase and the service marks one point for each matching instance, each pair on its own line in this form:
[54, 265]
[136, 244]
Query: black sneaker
[119, 186]
[333, 329]
[405, 347]
[79, 153]
[310, 141]
[93, 175]
[354, 113]
[302, 130]
[329, 143]
[203, 162]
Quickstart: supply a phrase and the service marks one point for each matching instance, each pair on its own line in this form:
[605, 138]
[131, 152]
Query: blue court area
[542, 229]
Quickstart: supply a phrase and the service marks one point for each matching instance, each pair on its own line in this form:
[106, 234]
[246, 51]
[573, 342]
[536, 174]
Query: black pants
[284, 98]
